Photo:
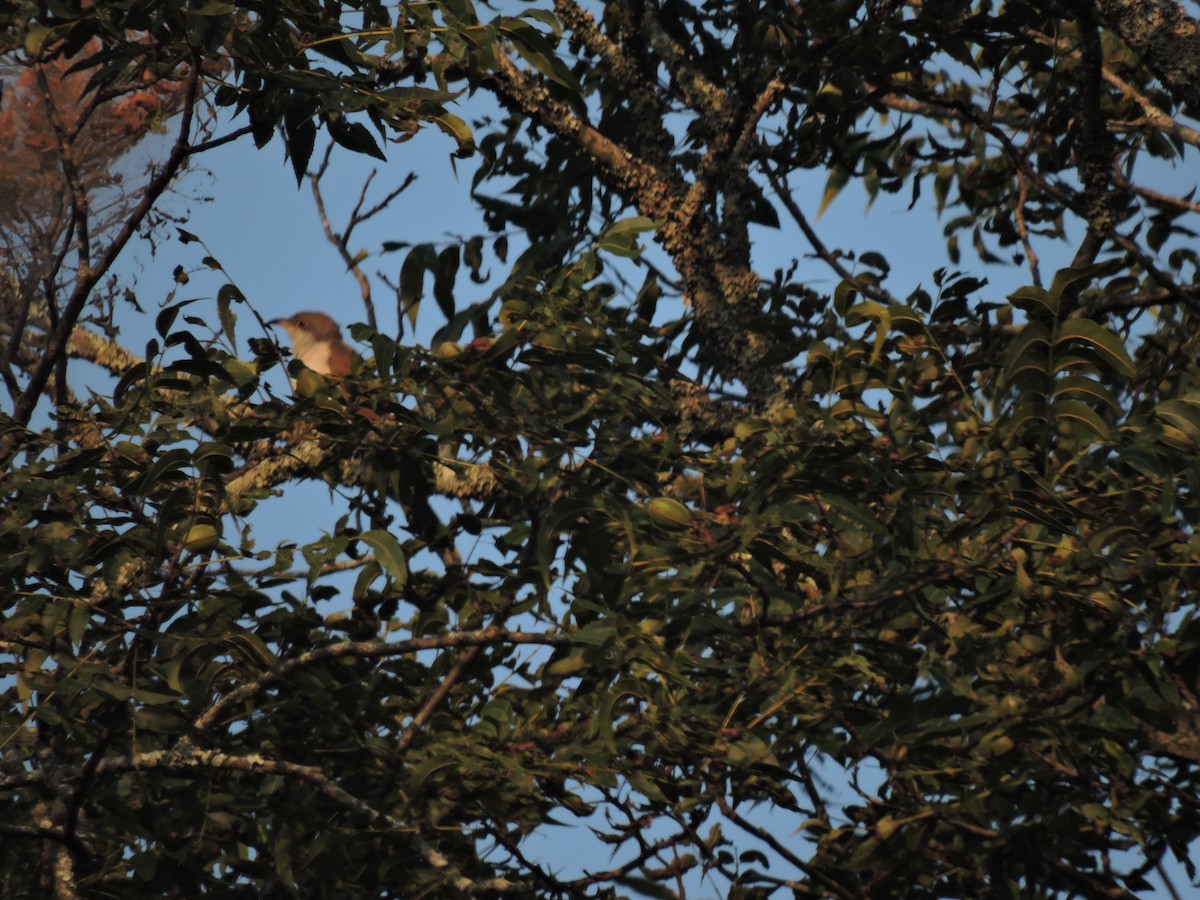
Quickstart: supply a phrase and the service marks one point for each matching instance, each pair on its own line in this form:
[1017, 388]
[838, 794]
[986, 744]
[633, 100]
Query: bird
[317, 343]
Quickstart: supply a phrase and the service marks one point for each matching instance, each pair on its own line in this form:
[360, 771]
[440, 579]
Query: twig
[429, 707]
[27, 402]
[771, 841]
[785, 197]
[366, 650]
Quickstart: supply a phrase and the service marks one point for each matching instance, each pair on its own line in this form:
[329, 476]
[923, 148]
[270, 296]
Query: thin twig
[25, 405]
[429, 707]
[783, 192]
[367, 650]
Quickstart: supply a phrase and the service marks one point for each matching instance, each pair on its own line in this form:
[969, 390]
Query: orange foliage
[50, 126]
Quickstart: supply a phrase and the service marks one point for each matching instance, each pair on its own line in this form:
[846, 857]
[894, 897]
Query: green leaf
[941, 186]
[1107, 345]
[366, 576]
[645, 887]
[1081, 412]
[843, 295]
[1182, 414]
[838, 178]
[253, 648]
[214, 8]
[35, 39]
[875, 261]
[1065, 279]
[598, 634]
[1082, 386]
[77, 624]
[389, 553]
[546, 17]
[620, 238]
[855, 513]
[1142, 459]
[1034, 300]
[565, 512]
[906, 319]
[867, 310]
[880, 314]
[536, 50]
[1028, 352]
[420, 259]
[443, 279]
[456, 128]
[240, 373]
[300, 136]
[749, 751]
[227, 316]
[353, 136]
[1012, 427]
[473, 256]
[1029, 506]
[566, 667]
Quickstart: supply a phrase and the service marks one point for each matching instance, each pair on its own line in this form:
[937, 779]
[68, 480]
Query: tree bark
[1165, 37]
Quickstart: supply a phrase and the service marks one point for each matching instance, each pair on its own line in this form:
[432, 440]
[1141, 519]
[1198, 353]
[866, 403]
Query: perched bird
[317, 342]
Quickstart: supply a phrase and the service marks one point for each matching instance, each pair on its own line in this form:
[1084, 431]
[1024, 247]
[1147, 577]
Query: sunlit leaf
[389, 553]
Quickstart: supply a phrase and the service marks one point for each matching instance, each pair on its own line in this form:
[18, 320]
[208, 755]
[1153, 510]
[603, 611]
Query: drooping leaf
[389, 553]
[1106, 345]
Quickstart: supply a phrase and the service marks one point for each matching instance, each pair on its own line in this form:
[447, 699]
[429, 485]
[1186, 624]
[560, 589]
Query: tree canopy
[754, 576]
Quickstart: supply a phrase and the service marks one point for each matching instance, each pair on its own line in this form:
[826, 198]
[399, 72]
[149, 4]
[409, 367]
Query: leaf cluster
[877, 591]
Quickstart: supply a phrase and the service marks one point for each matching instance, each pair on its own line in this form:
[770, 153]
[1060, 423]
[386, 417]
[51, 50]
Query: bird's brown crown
[316, 324]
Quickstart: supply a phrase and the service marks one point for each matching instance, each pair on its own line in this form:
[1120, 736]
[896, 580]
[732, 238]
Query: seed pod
[201, 538]
[668, 512]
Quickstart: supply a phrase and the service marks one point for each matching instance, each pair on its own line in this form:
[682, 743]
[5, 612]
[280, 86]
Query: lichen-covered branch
[1165, 37]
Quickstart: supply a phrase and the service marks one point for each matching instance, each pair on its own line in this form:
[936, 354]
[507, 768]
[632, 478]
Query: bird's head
[309, 327]
[317, 343]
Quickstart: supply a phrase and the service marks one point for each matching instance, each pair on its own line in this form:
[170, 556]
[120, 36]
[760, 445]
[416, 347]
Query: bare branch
[367, 650]
[158, 183]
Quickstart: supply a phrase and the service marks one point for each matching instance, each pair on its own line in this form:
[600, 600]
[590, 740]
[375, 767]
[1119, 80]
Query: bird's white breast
[316, 356]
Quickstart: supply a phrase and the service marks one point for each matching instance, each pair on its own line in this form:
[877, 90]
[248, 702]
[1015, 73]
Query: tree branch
[28, 400]
[367, 650]
[1166, 39]
[189, 760]
[785, 197]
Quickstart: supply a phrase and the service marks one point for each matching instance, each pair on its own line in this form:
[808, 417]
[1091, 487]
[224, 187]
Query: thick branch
[724, 294]
[190, 760]
[1166, 39]
[644, 98]
[1154, 114]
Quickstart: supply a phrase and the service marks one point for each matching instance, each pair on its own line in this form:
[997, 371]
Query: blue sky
[266, 233]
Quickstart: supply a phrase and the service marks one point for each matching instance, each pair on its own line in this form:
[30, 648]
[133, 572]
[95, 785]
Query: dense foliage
[884, 590]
